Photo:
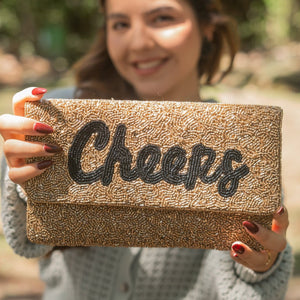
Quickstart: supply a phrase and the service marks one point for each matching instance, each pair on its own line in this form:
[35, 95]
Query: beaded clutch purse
[154, 174]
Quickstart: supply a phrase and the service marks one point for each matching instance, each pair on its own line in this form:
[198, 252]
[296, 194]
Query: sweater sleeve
[13, 213]
[234, 281]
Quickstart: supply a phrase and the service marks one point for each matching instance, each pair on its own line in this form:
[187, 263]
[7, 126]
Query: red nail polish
[52, 148]
[280, 211]
[42, 128]
[38, 91]
[44, 164]
[238, 248]
[253, 228]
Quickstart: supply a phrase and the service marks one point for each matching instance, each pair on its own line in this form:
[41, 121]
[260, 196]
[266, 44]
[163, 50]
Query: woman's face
[155, 45]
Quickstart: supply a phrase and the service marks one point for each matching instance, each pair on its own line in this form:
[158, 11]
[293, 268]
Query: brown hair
[97, 77]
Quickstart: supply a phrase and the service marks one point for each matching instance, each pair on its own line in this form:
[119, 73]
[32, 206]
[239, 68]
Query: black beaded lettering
[147, 160]
[211, 156]
[197, 169]
[75, 152]
[119, 153]
[232, 176]
[173, 161]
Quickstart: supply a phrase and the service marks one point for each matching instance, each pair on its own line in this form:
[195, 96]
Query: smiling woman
[156, 50]
[155, 46]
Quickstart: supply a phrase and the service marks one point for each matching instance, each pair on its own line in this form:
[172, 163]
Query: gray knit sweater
[137, 273]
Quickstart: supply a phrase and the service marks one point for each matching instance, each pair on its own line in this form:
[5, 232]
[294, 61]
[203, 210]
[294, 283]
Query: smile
[149, 67]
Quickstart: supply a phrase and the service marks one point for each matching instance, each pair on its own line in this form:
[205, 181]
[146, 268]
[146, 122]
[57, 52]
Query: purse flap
[177, 155]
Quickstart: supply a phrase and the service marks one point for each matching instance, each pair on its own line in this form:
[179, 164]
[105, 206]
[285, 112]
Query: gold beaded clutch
[154, 174]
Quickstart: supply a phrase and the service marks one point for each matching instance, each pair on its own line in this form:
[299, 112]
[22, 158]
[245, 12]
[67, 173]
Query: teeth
[148, 65]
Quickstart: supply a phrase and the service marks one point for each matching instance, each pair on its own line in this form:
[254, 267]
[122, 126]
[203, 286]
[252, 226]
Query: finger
[16, 149]
[280, 221]
[236, 253]
[259, 261]
[28, 94]
[22, 174]
[267, 238]
[16, 126]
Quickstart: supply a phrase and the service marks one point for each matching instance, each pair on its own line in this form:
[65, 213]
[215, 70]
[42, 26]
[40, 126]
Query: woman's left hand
[273, 240]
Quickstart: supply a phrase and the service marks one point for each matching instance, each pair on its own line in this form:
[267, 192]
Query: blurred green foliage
[65, 29]
[265, 23]
[50, 28]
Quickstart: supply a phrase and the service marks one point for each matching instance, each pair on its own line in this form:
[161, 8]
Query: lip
[148, 66]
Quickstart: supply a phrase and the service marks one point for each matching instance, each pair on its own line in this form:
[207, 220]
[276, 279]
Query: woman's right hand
[13, 129]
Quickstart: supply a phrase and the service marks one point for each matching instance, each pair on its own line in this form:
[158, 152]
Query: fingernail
[280, 211]
[52, 148]
[44, 164]
[38, 91]
[253, 228]
[42, 128]
[238, 248]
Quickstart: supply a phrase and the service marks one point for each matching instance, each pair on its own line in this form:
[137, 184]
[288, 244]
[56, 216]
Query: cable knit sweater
[137, 273]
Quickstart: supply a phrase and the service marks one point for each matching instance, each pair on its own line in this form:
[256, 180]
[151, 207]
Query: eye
[162, 19]
[120, 25]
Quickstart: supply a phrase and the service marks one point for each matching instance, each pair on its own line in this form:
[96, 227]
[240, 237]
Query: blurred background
[41, 40]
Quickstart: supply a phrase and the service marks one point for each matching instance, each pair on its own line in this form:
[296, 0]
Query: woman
[148, 49]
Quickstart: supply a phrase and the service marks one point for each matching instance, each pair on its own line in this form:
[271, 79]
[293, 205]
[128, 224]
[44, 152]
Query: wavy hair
[97, 77]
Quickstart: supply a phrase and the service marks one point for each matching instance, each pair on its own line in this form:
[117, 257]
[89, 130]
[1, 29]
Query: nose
[141, 37]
